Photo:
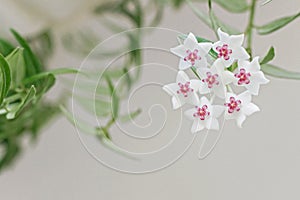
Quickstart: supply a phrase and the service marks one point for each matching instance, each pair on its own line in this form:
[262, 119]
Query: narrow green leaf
[130, 116]
[279, 72]
[100, 107]
[236, 6]
[25, 101]
[17, 66]
[114, 98]
[33, 66]
[276, 24]
[216, 22]
[270, 55]
[42, 75]
[5, 78]
[5, 47]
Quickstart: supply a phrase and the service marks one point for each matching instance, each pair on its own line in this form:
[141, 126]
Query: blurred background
[259, 161]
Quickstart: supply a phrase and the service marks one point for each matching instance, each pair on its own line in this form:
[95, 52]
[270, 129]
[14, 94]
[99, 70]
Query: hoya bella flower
[238, 107]
[192, 53]
[215, 79]
[229, 48]
[183, 91]
[204, 115]
[249, 75]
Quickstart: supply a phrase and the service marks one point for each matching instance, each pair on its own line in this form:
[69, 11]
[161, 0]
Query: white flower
[239, 106]
[215, 79]
[204, 115]
[192, 53]
[249, 75]
[229, 48]
[183, 91]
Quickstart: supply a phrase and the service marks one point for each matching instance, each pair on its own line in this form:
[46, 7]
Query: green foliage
[270, 56]
[276, 24]
[278, 72]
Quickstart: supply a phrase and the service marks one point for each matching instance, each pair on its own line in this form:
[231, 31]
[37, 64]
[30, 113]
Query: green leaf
[5, 47]
[130, 116]
[270, 55]
[114, 98]
[216, 22]
[25, 101]
[5, 78]
[277, 24]
[236, 6]
[17, 66]
[33, 66]
[42, 75]
[279, 72]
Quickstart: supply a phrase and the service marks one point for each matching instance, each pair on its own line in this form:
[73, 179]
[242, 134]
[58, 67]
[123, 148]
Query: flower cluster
[219, 67]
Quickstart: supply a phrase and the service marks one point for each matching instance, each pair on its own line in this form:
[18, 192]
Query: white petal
[179, 51]
[205, 101]
[240, 53]
[192, 99]
[190, 114]
[218, 66]
[229, 94]
[224, 37]
[220, 90]
[212, 124]
[243, 64]
[171, 89]
[260, 78]
[217, 110]
[182, 77]
[190, 42]
[176, 102]
[204, 88]
[202, 72]
[254, 66]
[241, 118]
[195, 84]
[245, 97]
[236, 40]
[228, 77]
[205, 47]
[228, 62]
[197, 126]
[183, 65]
[253, 87]
[202, 63]
[250, 108]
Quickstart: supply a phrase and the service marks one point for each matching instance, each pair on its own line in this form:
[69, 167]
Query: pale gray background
[260, 161]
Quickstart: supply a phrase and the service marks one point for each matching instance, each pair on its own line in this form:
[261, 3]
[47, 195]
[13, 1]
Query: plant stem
[249, 29]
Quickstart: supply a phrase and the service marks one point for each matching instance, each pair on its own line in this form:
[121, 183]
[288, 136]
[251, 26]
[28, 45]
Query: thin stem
[195, 72]
[249, 29]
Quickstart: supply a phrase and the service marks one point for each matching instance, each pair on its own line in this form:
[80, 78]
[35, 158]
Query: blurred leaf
[5, 47]
[100, 107]
[25, 101]
[130, 116]
[42, 44]
[114, 98]
[277, 24]
[17, 66]
[207, 20]
[279, 72]
[42, 75]
[78, 124]
[5, 78]
[270, 55]
[33, 66]
[236, 6]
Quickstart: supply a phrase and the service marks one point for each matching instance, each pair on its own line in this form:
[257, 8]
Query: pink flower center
[201, 112]
[211, 79]
[184, 89]
[192, 56]
[224, 51]
[233, 105]
[243, 77]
